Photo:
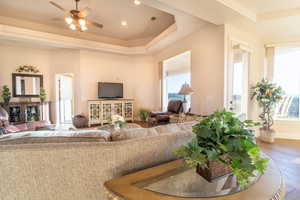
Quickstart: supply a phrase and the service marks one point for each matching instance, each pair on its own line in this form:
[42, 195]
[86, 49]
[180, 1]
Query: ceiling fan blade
[59, 7]
[94, 24]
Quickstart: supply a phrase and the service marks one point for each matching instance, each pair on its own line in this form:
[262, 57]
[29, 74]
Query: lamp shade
[3, 114]
[186, 90]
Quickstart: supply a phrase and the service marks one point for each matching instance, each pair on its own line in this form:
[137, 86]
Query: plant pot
[215, 170]
[267, 135]
[6, 100]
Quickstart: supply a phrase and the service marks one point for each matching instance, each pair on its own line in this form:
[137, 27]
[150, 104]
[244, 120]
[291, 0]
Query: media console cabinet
[101, 110]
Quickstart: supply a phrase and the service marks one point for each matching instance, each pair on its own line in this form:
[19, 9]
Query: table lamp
[185, 90]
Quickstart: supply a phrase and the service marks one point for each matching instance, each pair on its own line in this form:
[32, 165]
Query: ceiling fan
[76, 19]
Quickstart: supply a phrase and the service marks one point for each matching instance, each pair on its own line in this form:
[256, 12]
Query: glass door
[237, 91]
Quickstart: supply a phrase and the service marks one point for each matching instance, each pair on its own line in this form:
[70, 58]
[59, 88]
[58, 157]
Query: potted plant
[43, 95]
[144, 114]
[224, 145]
[267, 95]
[6, 95]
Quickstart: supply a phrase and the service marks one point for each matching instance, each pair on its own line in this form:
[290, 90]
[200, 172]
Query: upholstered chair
[174, 107]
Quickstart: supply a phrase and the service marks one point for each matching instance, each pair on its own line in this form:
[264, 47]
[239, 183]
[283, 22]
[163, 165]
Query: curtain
[269, 70]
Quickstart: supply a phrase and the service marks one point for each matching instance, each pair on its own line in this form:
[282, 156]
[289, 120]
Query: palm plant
[144, 114]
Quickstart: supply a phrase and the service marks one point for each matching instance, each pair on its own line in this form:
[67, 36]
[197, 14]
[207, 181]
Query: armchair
[174, 107]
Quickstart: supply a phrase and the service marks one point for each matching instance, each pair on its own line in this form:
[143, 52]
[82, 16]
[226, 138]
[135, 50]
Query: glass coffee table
[174, 181]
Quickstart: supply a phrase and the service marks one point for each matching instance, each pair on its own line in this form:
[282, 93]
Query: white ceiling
[108, 12]
[261, 6]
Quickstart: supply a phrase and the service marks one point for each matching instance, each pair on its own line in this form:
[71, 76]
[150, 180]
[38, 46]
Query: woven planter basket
[215, 170]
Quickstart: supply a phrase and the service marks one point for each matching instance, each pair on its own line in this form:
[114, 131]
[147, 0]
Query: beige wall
[207, 52]
[138, 73]
[12, 56]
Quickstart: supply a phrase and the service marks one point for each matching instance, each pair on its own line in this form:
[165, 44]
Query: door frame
[57, 93]
[234, 44]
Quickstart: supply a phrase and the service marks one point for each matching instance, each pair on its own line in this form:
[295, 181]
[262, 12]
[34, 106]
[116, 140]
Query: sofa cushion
[169, 128]
[46, 140]
[187, 126]
[105, 135]
[126, 134]
[55, 136]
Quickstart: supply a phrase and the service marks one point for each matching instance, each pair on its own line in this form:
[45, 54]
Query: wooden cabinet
[101, 111]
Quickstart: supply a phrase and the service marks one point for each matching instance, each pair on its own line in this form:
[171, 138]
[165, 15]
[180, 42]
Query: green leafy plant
[144, 114]
[43, 94]
[27, 69]
[267, 95]
[222, 137]
[6, 95]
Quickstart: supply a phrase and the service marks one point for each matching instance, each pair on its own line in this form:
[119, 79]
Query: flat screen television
[110, 90]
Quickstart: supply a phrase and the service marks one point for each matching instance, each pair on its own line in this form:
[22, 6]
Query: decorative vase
[267, 135]
[117, 127]
[215, 170]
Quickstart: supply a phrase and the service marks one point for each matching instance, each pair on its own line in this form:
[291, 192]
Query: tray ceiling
[108, 12]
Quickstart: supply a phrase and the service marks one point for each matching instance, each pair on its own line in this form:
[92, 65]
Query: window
[287, 75]
[174, 83]
[176, 72]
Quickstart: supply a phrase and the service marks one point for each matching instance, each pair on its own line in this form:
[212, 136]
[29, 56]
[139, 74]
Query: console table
[100, 111]
[23, 112]
[172, 181]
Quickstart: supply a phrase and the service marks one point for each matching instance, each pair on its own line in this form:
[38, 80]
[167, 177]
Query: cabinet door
[95, 112]
[118, 108]
[107, 111]
[128, 110]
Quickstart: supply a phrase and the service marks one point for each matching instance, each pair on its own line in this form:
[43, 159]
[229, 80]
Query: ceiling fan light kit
[76, 19]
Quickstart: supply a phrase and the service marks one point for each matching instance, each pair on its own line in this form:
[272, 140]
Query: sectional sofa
[77, 170]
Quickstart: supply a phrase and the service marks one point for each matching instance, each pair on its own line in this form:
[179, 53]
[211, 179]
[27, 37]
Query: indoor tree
[267, 95]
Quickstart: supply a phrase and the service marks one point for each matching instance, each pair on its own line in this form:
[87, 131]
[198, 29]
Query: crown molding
[54, 40]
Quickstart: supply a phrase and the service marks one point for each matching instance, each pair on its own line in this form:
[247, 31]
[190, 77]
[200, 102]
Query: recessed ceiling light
[153, 18]
[137, 2]
[124, 23]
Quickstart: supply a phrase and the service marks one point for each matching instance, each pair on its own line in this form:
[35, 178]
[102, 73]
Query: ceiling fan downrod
[77, 1]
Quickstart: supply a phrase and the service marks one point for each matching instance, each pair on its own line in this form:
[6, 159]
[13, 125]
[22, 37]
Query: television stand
[101, 110]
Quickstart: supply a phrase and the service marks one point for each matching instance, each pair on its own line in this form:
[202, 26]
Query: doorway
[64, 98]
[237, 76]
[176, 72]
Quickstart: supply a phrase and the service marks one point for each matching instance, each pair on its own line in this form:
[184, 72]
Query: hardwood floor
[286, 154]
